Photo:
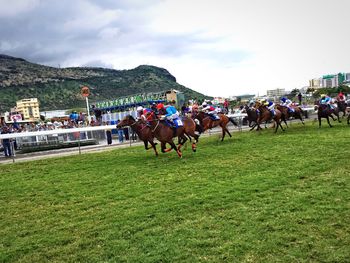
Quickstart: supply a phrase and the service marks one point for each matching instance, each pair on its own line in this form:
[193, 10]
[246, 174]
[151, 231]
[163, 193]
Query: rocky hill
[59, 88]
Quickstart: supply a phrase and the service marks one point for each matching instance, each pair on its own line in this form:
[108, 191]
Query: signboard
[85, 91]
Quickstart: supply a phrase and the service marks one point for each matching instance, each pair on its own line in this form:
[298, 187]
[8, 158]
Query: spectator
[226, 105]
[109, 135]
[126, 133]
[6, 143]
[120, 133]
[300, 97]
[98, 114]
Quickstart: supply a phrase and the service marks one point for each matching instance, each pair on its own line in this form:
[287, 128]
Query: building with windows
[29, 108]
[329, 81]
[275, 93]
[315, 83]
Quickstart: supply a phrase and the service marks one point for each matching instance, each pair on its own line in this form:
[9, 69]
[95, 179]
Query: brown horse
[287, 114]
[324, 111]
[165, 134]
[207, 123]
[141, 129]
[266, 115]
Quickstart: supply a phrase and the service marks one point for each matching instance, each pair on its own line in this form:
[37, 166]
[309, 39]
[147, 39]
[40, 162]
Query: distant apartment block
[29, 108]
[275, 93]
[329, 81]
[315, 83]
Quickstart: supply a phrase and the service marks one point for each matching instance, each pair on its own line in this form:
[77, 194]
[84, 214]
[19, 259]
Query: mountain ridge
[59, 88]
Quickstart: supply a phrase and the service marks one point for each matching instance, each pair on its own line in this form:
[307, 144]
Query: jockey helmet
[283, 99]
[139, 108]
[204, 104]
[160, 106]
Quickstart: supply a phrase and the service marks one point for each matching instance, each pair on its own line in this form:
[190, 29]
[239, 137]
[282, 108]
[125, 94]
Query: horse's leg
[164, 149]
[173, 146]
[194, 144]
[319, 121]
[280, 124]
[329, 122]
[146, 145]
[253, 126]
[223, 133]
[332, 117]
[154, 146]
[184, 139]
[301, 118]
[338, 117]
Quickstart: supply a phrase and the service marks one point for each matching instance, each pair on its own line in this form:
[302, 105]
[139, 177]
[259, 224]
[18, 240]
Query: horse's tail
[233, 121]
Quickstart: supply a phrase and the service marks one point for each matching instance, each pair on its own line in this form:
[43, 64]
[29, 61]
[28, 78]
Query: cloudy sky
[219, 48]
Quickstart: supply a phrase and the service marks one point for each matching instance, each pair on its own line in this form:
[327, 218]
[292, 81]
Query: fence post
[13, 154]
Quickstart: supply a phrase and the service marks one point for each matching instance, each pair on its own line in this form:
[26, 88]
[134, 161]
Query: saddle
[176, 123]
[214, 117]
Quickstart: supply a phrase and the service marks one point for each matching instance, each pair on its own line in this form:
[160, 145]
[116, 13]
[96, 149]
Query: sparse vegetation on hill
[59, 88]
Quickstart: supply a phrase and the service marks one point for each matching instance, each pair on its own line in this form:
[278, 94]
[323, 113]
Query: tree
[310, 90]
[294, 92]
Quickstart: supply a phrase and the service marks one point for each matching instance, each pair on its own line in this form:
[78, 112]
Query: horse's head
[127, 121]
[200, 115]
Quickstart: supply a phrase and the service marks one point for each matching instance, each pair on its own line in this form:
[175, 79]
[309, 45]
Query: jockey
[209, 109]
[270, 106]
[171, 112]
[341, 96]
[160, 109]
[326, 100]
[139, 113]
[287, 103]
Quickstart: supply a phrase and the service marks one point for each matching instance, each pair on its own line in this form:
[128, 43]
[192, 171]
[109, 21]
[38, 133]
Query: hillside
[59, 88]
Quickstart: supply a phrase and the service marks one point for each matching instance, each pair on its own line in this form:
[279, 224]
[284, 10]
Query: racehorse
[165, 134]
[296, 114]
[342, 105]
[142, 130]
[266, 115]
[331, 110]
[207, 122]
[324, 111]
[252, 117]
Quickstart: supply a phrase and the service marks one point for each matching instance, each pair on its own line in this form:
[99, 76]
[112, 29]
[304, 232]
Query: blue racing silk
[170, 110]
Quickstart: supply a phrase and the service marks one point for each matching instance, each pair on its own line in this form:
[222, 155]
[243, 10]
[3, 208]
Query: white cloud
[16, 7]
[225, 47]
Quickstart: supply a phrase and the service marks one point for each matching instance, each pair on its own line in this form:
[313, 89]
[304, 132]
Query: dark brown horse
[141, 129]
[287, 114]
[252, 117]
[207, 122]
[266, 115]
[342, 106]
[324, 111]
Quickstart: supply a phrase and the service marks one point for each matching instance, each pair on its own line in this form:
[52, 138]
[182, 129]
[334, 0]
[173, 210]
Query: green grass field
[252, 198]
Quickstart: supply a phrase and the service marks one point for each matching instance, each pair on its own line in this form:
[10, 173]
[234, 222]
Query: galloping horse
[342, 105]
[252, 117]
[165, 134]
[328, 110]
[296, 114]
[142, 130]
[324, 111]
[266, 115]
[207, 123]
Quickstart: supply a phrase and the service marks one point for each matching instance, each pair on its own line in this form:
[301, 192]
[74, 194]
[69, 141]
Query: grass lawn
[257, 197]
